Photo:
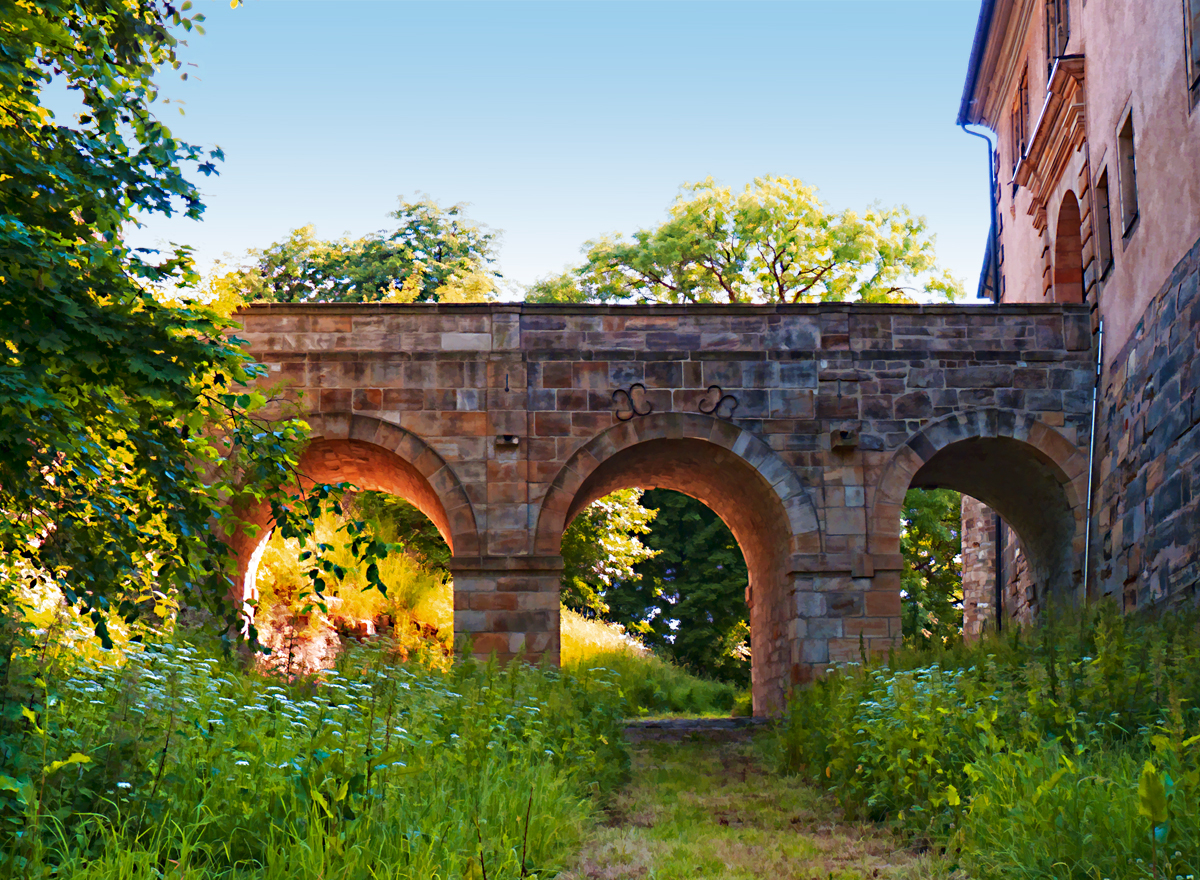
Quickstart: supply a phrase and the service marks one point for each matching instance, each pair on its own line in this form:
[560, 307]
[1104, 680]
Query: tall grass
[1068, 751]
[178, 762]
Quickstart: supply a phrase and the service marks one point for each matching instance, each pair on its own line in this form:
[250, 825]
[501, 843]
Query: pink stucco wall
[1134, 61]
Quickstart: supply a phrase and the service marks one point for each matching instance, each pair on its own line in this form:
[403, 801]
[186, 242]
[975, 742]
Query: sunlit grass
[584, 639]
[651, 684]
[186, 761]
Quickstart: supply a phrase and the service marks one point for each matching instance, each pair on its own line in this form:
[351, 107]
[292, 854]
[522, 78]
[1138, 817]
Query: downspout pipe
[993, 237]
[1087, 529]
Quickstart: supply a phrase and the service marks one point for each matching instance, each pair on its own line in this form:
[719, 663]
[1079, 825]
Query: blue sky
[561, 121]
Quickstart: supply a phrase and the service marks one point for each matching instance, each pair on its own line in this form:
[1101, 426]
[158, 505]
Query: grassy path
[703, 807]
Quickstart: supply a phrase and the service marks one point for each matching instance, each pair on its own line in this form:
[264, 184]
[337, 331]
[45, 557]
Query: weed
[1069, 751]
[180, 761]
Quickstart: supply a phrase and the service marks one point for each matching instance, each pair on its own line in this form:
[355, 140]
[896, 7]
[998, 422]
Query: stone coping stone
[668, 310]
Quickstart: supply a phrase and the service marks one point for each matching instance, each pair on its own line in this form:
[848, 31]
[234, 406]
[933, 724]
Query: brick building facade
[1096, 197]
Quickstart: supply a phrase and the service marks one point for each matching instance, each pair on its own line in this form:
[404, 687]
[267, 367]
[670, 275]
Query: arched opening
[1068, 253]
[668, 572]
[365, 465]
[1009, 464]
[1030, 493]
[748, 504]
[417, 502]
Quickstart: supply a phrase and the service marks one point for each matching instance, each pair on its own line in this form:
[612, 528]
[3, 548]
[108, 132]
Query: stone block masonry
[1148, 452]
[801, 426]
[978, 568]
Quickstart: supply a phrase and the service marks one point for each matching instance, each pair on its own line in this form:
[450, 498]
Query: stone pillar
[839, 615]
[508, 606]
[978, 568]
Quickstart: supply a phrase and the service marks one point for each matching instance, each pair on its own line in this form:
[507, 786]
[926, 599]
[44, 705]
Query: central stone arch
[736, 475]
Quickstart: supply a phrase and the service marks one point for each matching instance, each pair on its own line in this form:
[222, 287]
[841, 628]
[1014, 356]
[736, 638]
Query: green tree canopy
[687, 600]
[931, 541]
[434, 254]
[102, 388]
[126, 426]
[601, 549]
[773, 242]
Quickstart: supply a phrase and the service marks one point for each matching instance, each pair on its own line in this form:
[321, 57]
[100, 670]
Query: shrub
[1033, 754]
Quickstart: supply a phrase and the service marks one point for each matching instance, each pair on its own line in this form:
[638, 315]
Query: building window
[1127, 172]
[1104, 248]
[1191, 24]
[1020, 120]
[1058, 30]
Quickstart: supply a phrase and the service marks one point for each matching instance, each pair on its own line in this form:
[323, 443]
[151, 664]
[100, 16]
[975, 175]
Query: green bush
[1035, 755]
[181, 759]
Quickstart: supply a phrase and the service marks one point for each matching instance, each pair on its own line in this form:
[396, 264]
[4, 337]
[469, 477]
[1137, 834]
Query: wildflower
[124, 785]
[242, 763]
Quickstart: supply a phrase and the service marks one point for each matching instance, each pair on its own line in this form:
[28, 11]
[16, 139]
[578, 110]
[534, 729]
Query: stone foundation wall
[1022, 594]
[1147, 544]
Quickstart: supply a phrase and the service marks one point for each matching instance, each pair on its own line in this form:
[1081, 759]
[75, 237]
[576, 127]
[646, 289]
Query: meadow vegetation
[1068, 751]
[416, 611]
[177, 761]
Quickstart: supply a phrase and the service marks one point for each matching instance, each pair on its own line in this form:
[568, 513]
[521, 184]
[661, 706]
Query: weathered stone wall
[801, 426]
[978, 567]
[1023, 593]
[1148, 447]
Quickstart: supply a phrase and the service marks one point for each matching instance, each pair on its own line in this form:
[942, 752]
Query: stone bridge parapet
[801, 426]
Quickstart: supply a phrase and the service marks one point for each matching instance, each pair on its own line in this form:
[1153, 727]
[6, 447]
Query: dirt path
[702, 805]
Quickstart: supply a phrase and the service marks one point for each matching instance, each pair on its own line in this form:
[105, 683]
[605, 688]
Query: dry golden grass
[703, 809]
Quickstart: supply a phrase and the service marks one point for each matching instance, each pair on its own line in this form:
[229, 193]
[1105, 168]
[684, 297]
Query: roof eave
[982, 30]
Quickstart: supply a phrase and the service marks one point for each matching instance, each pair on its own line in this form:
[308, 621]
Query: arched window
[1068, 253]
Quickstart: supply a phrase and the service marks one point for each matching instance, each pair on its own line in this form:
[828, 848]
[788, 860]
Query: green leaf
[1152, 795]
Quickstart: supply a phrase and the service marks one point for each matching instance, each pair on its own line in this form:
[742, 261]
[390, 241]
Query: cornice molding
[1003, 59]
[1060, 131]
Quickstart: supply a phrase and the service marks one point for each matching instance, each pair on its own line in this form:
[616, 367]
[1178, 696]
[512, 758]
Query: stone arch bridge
[801, 426]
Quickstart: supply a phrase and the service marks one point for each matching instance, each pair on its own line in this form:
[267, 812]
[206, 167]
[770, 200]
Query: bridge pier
[508, 606]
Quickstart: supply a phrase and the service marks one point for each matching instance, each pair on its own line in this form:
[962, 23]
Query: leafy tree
[401, 522]
[126, 425]
[931, 541]
[688, 599]
[601, 550]
[435, 254]
[773, 242]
